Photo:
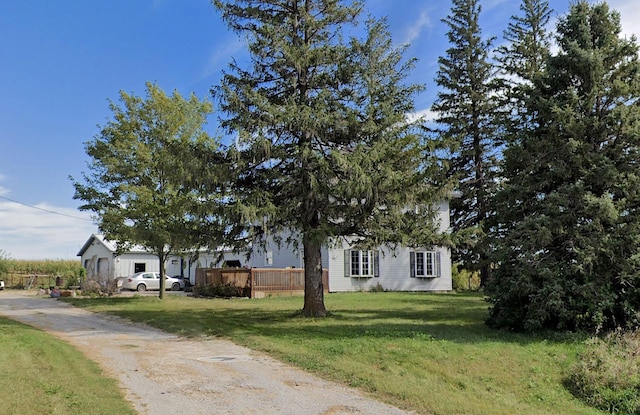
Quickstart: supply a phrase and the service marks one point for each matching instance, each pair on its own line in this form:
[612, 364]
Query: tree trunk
[313, 287]
[161, 258]
[484, 271]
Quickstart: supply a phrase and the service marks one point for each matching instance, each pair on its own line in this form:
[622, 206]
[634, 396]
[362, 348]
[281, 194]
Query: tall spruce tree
[528, 43]
[467, 106]
[522, 59]
[571, 260]
[324, 149]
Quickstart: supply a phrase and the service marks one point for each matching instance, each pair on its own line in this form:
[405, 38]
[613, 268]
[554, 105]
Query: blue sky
[61, 61]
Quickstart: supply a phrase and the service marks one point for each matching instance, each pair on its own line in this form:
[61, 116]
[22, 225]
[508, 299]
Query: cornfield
[30, 274]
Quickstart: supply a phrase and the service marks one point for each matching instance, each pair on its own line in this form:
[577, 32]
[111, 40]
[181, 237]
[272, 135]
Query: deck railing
[260, 282]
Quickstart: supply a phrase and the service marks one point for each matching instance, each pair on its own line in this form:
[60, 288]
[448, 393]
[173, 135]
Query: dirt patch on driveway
[162, 373]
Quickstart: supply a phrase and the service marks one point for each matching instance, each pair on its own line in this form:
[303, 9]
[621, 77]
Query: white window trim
[371, 258]
[432, 256]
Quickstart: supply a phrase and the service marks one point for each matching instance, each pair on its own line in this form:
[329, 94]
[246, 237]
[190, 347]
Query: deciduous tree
[146, 180]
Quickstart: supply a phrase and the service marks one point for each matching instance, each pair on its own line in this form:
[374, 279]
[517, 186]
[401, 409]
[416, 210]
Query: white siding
[444, 216]
[172, 266]
[96, 254]
[100, 260]
[125, 263]
[394, 267]
[205, 260]
[395, 272]
[284, 256]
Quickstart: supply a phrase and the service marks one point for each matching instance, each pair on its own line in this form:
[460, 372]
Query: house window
[231, 263]
[360, 263]
[268, 259]
[425, 264]
[139, 267]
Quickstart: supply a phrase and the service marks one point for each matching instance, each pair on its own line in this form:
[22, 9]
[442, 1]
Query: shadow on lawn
[442, 318]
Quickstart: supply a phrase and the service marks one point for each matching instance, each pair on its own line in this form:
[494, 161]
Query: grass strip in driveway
[431, 353]
[40, 374]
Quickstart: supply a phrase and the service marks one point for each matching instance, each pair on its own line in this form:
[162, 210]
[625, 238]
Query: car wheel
[175, 286]
[142, 287]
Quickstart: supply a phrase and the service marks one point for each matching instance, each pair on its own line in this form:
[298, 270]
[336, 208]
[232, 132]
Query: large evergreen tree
[571, 259]
[146, 181]
[323, 146]
[468, 107]
[522, 60]
[528, 43]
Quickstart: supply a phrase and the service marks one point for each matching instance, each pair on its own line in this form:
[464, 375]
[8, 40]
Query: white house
[404, 269]
[100, 258]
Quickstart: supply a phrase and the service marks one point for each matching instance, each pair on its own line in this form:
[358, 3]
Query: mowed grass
[40, 374]
[430, 353]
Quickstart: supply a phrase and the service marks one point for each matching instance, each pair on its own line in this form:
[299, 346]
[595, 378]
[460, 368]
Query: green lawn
[430, 353]
[40, 374]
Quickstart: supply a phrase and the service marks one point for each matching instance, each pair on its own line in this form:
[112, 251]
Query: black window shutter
[412, 263]
[376, 263]
[347, 262]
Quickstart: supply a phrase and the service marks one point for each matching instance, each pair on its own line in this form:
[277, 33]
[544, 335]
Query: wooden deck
[261, 282]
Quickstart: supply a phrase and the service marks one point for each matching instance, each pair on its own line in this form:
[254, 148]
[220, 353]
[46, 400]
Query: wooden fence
[259, 282]
[26, 280]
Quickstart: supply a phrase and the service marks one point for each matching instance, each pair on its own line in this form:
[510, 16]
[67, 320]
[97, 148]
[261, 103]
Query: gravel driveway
[162, 373]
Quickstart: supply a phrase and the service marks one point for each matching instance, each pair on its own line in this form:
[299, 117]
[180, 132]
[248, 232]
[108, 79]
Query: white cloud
[424, 114]
[629, 15]
[491, 4]
[222, 55]
[37, 233]
[414, 31]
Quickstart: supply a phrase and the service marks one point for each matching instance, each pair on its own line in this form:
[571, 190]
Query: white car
[1, 285]
[143, 281]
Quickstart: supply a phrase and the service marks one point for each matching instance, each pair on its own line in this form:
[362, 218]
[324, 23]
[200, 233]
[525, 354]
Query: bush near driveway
[607, 374]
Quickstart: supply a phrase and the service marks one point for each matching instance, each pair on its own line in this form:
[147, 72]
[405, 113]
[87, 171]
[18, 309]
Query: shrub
[91, 287]
[377, 289]
[464, 280]
[110, 286]
[607, 374]
[220, 290]
[76, 279]
[4, 262]
[71, 282]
